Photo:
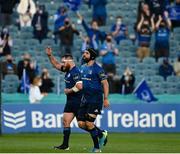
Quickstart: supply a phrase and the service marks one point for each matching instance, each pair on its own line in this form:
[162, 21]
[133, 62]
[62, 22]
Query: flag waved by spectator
[143, 92]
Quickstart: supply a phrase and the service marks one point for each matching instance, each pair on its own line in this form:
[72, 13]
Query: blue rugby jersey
[162, 37]
[92, 87]
[71, 77]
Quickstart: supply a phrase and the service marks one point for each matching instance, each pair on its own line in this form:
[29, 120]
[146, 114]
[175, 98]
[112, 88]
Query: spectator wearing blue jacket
[119, 30]
[93, 31]
[99, 11]
[108, 53]
[166, 69]
[59, 19]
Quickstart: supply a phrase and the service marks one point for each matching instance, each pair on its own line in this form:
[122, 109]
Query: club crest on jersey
[68, 75]
[90, 72]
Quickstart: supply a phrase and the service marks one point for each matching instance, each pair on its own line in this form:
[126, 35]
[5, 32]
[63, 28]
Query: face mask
[9, 60]
[119, 22]
[108, 40]
[40, 11]
[127, 77]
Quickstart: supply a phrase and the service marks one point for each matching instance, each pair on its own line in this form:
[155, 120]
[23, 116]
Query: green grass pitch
[81, 143]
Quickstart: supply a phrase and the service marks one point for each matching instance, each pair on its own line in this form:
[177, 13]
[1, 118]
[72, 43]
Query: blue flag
[73, 4]
[143, 92]
[25, 84]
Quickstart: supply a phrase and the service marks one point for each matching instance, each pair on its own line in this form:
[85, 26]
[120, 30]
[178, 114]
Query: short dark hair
[67, 56]
[119, 17]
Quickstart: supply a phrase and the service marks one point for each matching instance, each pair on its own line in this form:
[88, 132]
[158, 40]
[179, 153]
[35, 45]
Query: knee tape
[89, 118]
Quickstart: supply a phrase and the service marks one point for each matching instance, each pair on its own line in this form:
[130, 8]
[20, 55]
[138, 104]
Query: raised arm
[152, 23]
[140, 23]
[158, 22]
[52, 59]
[168, 21]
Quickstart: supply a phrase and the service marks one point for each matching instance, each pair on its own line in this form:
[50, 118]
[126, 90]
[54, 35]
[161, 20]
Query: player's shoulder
[75, 70]
[97, 66]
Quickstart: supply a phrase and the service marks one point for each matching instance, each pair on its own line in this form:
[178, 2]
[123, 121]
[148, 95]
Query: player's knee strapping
[90, 118]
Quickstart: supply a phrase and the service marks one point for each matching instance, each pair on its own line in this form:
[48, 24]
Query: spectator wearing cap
[177, 66]
[166, 69]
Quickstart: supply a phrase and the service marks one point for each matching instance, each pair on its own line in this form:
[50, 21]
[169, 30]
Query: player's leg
[67, 119]
[90, 118]
[93, 111]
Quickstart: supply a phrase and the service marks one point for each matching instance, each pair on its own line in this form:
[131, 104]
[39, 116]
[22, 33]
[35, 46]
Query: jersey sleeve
[102, 75]
[77, 77]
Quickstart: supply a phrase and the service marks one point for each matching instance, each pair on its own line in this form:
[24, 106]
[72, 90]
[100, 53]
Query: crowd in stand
[153, 16]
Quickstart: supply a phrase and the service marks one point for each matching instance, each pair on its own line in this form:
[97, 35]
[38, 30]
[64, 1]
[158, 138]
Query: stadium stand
[23, 41]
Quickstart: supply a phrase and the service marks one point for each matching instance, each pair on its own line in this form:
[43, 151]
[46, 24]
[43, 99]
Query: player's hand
[48, 51]
[67, 91]
[106, 103]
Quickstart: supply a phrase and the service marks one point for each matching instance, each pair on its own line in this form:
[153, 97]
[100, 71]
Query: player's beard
[86, 60]
[65, 69]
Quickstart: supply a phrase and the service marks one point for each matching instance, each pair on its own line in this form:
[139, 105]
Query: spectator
[47, 83]
[162, 28]
[5, 43]
[6, 11]
[119, 30]
[8, 67]
[26, 10]
[40, 23]
[35, 96]
[66, 35]
[108, 53]
[87, 44]
[158, 7]
[59, 18]
[28, 65]
[174, 13]
[127, 82]
[99, 11]
[144, 10]
[144, 32]
[166, 69]
[177, 66]
[93, 32]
